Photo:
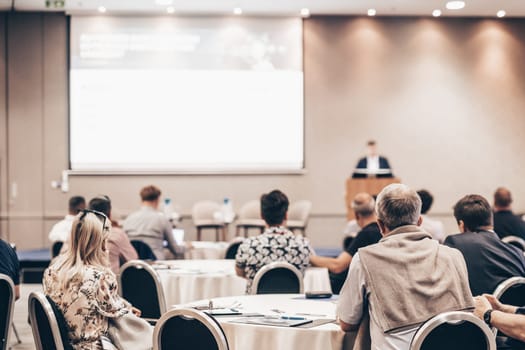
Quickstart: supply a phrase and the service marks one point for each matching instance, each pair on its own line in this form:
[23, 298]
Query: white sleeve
[352, 296]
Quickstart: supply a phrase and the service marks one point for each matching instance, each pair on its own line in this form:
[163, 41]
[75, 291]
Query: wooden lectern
[369, 185]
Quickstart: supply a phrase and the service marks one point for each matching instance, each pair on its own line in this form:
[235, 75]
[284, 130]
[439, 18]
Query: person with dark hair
[505, 222]
[60, 231]
[489, 260]
[373, 164]
[404, 279]
[119, 247]
[434, 227]
[363, 206]
[151, 226]
[276, 243]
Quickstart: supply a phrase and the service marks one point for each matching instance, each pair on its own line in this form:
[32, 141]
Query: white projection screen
[186, 94]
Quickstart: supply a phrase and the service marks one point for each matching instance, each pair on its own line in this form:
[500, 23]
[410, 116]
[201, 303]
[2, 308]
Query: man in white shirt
[373, 164]
[61, 230]
[432, 226]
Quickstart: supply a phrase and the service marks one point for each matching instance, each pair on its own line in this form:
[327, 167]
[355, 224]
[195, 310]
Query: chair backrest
[300, 211]
[140, 285]
[511, 291]
[251, 210]
[46, 332]
[144, 251]
[231, 251]
[455, 330]
[7, 303]
[278, 278]
[515, 241]
[188, 329]
[205, 210]
[55, 248]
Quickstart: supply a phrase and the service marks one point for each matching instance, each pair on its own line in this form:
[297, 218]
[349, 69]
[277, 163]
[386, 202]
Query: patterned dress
[275, 244]
[86, 303]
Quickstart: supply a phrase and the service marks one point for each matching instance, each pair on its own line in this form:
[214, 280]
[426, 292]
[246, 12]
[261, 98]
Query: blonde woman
[83, 286]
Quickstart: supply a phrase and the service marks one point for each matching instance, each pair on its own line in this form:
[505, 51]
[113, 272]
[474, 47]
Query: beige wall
[444, 98]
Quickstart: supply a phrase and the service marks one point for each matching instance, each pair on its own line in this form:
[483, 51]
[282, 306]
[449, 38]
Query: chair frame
[505, 285]
[207, 320]
[11, 307]
[39, 297]
[519, 240]
[276, 265]
[451, 317]
[236, 240]
[139, 264]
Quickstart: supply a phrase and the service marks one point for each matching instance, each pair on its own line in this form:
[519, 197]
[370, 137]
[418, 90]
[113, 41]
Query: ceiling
[473, 8]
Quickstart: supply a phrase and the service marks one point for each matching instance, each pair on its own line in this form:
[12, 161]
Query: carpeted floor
[20, 319]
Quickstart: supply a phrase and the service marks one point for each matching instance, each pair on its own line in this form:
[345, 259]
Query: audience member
[506, 318]
[151, 226]
[432, 226]
[82, 285]
[363, 206]
[395, 279]
[489, 260]
[119, 247]
[276, 243]
[9, 265]
[505, 222]
[61, 230]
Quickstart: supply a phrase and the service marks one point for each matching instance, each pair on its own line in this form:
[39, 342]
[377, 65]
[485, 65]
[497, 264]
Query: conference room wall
[444, 98]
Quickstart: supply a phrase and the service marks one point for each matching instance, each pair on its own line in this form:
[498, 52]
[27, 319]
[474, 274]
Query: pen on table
[315, 315]
[294, 318]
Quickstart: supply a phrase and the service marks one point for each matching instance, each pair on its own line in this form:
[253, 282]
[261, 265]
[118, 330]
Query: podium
[369, 185]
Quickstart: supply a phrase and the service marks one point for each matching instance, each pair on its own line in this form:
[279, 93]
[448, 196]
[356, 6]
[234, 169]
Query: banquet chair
[455, 330]
[515, 241]
[55, 248]
[188, 329]
[7, 304]
[250, 217]
[140, 284]
[143, 250]
[278, 278]
[511, 291]
[204, 215]
[47, 323]
[298, 215]
[231, 251]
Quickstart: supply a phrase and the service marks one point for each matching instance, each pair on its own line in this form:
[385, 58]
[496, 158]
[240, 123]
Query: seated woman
[82, 284]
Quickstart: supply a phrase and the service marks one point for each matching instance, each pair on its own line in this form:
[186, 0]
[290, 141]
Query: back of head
[76, 204]
[101, 204]
[426, 200]
[363, 205]
[474, 211]
[87, 242]
[398, 205]
[274, 206]
[502, 198]
[150, 193]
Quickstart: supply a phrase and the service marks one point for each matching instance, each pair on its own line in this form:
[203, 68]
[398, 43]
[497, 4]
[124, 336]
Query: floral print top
[275, 244]
[87, 304]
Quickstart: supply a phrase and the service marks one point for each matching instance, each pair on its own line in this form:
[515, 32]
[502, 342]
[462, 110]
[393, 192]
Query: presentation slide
[186, 94]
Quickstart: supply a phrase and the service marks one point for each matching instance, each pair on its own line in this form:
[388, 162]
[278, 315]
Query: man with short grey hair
[398, 276]
[363, 206]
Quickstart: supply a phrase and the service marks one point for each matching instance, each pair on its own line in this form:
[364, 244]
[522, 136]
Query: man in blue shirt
[9, 265]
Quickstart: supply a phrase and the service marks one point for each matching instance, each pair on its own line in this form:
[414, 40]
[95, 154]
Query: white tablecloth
[190, 280]
[207, 250]
[257, 337]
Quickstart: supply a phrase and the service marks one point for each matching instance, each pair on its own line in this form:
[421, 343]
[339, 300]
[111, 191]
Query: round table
[206, 250]
[242, 336]
[184, 281]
